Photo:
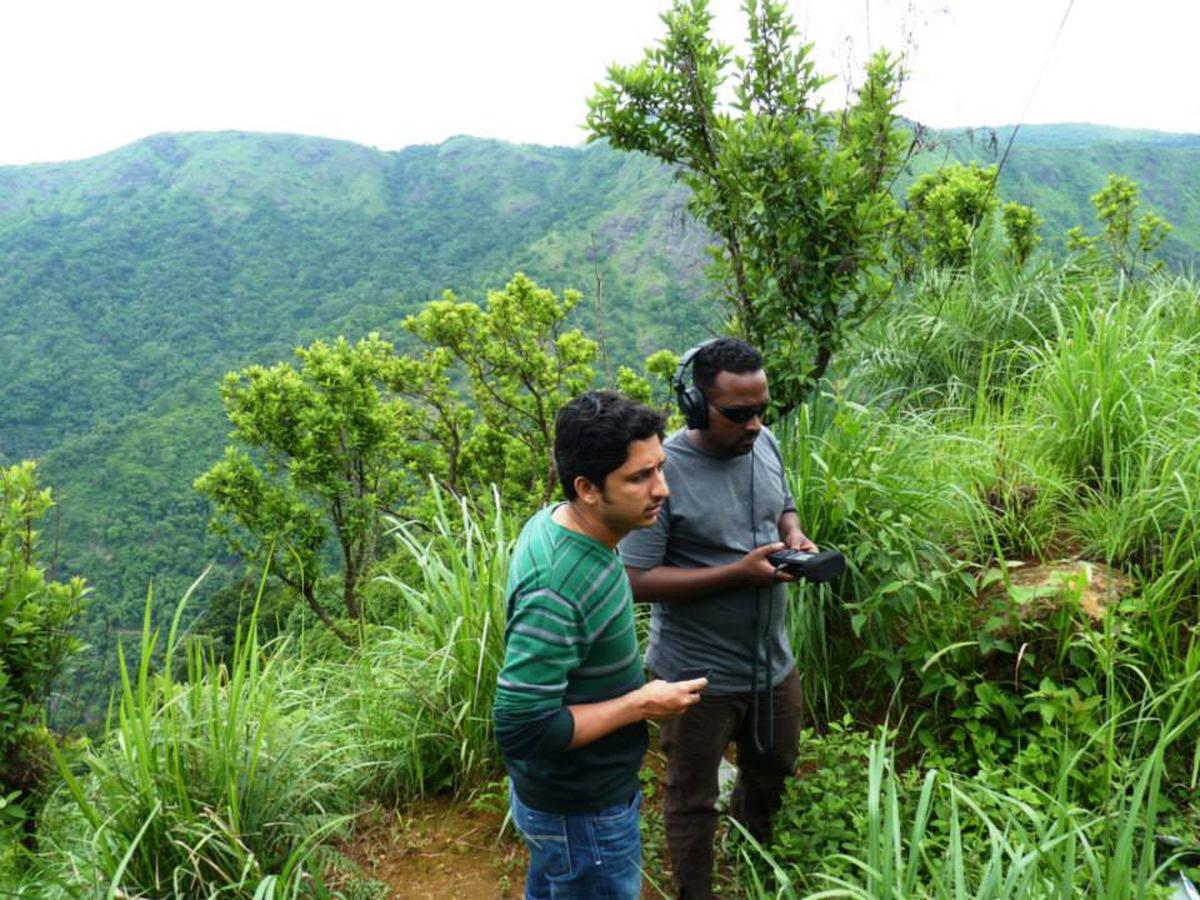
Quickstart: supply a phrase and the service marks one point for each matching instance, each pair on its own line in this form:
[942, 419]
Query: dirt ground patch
[437, 848]
[1041, 588]
[434, 849]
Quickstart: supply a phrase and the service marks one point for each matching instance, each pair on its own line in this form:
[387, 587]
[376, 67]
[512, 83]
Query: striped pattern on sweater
[569, 639]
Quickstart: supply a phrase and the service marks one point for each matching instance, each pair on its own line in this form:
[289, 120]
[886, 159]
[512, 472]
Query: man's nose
[660, 485]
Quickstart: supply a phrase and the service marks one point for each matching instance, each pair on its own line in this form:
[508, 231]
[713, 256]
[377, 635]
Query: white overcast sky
[80, 78]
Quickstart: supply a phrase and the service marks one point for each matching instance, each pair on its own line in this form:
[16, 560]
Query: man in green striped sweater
[572, 701]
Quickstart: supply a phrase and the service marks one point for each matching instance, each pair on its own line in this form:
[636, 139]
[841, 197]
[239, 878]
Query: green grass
[211, 780]
[991, 420]
[939, 834]
[455, 612]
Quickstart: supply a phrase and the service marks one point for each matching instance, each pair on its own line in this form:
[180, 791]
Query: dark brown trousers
[694, 745]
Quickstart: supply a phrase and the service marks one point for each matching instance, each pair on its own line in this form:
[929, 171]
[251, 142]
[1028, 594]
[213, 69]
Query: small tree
[1129, 240]
[518, 364]
[1021, 224]
[35, 639]
[799, 198]
[328, 441]
[946, 209]
[356, 431]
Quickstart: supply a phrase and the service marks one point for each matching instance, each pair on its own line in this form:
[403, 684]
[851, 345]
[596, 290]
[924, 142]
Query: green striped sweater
[569, 639]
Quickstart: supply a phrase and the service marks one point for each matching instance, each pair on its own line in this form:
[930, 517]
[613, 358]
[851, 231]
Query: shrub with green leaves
[1127, 241]
[1021, 224]
[35, 642]
[224, 783]
[945, 210]
[824, 806]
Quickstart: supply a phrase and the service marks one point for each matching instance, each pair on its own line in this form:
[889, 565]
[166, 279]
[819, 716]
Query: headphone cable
[762, 639]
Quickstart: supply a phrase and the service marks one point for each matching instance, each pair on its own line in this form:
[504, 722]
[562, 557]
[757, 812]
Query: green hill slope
[129, 283]
[1057, 168]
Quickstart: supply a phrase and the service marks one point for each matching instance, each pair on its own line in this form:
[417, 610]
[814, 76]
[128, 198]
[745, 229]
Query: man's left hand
[792, 535]
[796, 540]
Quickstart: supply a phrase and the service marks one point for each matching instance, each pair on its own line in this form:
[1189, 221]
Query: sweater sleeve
[544, 641]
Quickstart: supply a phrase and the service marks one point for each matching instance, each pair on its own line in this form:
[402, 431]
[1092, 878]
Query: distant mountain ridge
[1081, 134]
[130, 282]
[1057, 168]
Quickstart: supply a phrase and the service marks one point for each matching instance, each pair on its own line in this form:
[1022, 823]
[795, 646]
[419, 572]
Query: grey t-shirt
[707, 521]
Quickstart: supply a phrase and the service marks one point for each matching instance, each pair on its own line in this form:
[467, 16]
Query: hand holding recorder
[817, 567]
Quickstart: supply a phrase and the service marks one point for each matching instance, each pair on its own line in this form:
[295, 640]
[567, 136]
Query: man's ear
[587, 492]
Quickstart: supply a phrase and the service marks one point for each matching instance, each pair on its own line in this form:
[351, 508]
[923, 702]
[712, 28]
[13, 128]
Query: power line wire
[1029, 101]
[999, 167]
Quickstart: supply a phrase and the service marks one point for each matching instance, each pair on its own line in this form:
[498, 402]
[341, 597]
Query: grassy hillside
[133, 281]
[1004, 689]
[1057, 168]
[129, 283]
[1005, 685]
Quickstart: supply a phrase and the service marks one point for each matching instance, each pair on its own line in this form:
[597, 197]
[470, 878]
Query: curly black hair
[592, 435]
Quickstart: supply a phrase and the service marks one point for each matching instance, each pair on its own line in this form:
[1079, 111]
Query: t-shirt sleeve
[789, 502]
[544, 642]
[645, 548]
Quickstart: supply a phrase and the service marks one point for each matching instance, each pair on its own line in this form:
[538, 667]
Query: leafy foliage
[357, 431]
[330, 440]
[1069, 445]
[1057, 169]
[999, 835]
[799, 198]
[35, 642]
[995, 416]
[1021, 224]
[823, 811]
[520, 366]
[946, 208]
[951, 215]
[1127, 239]
[134, 281]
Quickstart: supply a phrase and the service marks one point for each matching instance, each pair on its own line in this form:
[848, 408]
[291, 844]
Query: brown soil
[437, 848]
[434, 849]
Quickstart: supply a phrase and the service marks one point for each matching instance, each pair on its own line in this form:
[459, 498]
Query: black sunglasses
[741, 414]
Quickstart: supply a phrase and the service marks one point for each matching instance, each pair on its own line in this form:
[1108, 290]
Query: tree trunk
[820, 364]
[315, 606]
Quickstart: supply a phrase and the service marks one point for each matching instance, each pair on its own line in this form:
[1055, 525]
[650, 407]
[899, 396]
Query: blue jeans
[582, 856]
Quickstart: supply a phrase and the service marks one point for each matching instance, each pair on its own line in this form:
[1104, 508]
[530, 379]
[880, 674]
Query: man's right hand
[758, 571]
[664, 700]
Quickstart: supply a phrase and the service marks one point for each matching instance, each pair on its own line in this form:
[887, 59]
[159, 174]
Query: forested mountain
[1057, 168]
[131, 282]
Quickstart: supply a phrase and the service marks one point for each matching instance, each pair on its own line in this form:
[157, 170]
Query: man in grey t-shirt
[719, 604]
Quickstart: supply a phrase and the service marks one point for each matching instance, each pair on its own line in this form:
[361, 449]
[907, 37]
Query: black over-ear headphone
[692, 402]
